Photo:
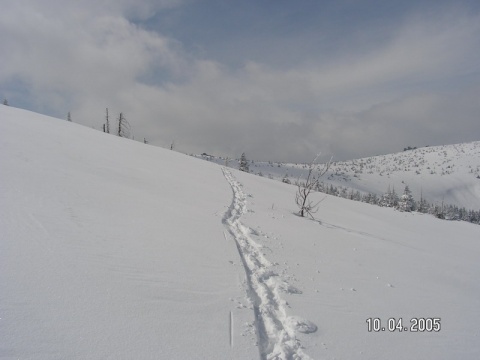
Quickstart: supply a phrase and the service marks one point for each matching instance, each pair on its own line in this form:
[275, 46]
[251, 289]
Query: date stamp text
[398, 324]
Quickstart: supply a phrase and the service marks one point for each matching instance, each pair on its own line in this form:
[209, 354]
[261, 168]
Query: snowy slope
[112, 249]
[448, 173]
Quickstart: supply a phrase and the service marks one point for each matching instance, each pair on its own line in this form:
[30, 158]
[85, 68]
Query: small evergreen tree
[5, 102]
[69, 117]
[423, 206]
[438, 211]
[369, 198]
[390, 198]
[406, 203]
[244, 163]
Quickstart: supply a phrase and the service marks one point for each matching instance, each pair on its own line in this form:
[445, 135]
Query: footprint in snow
[301, 325]
[289, 289]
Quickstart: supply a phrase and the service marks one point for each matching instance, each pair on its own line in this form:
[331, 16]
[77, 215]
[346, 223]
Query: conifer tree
[390, 198]
[422, 204]
[406, 203]
[244, 163]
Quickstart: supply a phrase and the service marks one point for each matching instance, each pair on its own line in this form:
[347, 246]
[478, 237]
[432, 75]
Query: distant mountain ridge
[447, 173]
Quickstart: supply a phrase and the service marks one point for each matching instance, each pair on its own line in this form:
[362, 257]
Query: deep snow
[112, 249]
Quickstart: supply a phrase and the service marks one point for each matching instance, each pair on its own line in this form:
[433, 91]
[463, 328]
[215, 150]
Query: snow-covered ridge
[443, 160]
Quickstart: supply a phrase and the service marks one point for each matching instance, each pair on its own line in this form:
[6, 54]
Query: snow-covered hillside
[449, 173]
[112, 249]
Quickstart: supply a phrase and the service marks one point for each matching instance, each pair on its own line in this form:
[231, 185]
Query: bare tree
[302, 197]
[123, 127]
[107, 123]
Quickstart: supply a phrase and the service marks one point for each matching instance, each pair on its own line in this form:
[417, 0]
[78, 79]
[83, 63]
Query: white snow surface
[112, 249]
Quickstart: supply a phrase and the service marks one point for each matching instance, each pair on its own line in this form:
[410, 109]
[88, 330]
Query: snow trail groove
[275, 333]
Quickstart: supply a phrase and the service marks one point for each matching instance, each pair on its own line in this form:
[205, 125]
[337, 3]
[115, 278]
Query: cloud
[90, 55]
[81, 58]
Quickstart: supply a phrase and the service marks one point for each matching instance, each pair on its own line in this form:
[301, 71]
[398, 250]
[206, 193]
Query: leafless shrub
[304, 189]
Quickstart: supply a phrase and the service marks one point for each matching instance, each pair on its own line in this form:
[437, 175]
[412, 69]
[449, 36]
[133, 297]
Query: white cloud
[81, 57]
[85, 56]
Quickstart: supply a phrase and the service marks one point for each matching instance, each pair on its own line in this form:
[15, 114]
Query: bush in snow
[302, 197]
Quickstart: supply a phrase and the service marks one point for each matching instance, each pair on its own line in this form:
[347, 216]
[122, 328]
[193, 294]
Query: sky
[279, 80]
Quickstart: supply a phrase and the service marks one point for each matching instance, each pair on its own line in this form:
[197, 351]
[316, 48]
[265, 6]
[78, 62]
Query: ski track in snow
[364, 234]
[275, 330]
